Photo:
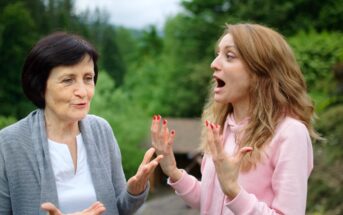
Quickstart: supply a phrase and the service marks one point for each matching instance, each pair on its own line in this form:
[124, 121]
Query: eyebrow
[227, 47]
[70, 74]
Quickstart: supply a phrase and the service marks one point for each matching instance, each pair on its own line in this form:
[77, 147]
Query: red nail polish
[211, 125]
[154, 117]
[159, 117]
[172, 132]
[164, 122]
[206, 122]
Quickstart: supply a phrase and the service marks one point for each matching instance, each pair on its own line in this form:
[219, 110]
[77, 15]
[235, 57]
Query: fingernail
[164, 122]
[159, 117]
[154, 117]
[211, 125]
[172, 132]
[206, 122]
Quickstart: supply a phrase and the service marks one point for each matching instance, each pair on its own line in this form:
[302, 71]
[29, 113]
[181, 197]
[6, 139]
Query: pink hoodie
[278, 184]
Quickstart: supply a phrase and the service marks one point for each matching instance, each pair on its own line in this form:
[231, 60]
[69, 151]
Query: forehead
[226, 41]
[86, 65]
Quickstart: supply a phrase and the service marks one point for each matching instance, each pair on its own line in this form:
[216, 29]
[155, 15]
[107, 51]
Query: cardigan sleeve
[292, 159]
[5, 200]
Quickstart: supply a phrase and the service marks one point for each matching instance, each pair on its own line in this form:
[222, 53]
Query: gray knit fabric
[26, 175]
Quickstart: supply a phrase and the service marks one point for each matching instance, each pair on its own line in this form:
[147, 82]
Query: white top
[75, 190]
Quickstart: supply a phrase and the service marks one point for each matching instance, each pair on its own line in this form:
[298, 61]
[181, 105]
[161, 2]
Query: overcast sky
[133, 13]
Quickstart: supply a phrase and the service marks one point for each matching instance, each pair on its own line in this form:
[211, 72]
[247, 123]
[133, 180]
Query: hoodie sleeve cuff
[184, 184]
[241, 203]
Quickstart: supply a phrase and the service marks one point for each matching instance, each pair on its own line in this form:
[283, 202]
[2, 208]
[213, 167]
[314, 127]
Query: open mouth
[220, 82]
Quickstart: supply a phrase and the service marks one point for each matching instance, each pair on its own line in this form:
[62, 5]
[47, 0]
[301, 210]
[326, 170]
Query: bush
[5, 121]
[317, 53]
[325, 185]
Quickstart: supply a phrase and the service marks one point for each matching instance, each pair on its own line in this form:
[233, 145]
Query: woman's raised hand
[137, 183]
[162, 140]
[96, 208]
[227, 167]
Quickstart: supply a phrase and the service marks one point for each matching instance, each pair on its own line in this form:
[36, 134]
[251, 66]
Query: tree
[285, 16]
[16, 22]
[111, 58]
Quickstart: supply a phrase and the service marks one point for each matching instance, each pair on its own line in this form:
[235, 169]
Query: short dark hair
[56, 49]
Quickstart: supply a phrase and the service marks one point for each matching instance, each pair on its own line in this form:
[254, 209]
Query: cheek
[91, 92]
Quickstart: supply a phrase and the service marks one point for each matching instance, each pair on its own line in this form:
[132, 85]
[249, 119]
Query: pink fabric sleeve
[188, 188]
[292, 159]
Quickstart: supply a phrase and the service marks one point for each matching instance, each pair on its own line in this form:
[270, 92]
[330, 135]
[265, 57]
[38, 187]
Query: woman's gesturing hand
[137, 183]
[227, 167]
[162, 140]
[96, 208]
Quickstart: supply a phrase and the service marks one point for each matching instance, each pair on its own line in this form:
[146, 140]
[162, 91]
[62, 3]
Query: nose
[80, 89]
[215, 64]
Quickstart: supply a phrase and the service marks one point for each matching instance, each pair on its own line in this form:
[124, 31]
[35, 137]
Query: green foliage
[317, 53]
[331, 126]
[130, 124]
[16, 22]
[325, 186]
[6, 121]
[127, 44]
[174, 80]
[111, 59]
[286, 16]
[104, 37]
[150, 43]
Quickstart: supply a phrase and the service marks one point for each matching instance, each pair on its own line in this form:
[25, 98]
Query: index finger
[148, 155]
[217, 140]
[210, 138]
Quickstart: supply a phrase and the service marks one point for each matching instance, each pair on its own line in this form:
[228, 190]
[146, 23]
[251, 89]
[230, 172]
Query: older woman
[60, 155]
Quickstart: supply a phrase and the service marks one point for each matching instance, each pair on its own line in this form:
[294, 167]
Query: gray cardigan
[26, 175]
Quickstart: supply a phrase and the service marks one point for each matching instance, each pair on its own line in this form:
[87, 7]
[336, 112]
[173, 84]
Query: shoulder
[15, 130]
[23, 126]
[291, 146]
[96, 121]
[291, 138]
[291, 127]
[98, 126]
[15, 138]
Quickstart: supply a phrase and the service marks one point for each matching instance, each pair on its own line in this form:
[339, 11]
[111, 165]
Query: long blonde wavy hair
[278, 89]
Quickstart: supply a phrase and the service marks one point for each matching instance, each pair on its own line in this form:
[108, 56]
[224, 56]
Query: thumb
[51, 208]
[242, 152]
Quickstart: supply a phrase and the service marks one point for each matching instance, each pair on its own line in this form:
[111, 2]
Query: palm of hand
[162, 141]
[96, 208]
[137, 183]
[227, 167]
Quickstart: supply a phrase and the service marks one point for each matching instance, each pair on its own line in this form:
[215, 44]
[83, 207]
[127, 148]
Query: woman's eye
[230, 56]
[89, 79]
[67, 81]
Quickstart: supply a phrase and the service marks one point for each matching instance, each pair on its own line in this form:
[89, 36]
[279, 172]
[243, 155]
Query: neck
[60, 130]
[241, 111]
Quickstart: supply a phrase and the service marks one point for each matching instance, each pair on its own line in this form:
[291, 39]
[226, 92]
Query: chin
[220, 100]
[79, 116]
